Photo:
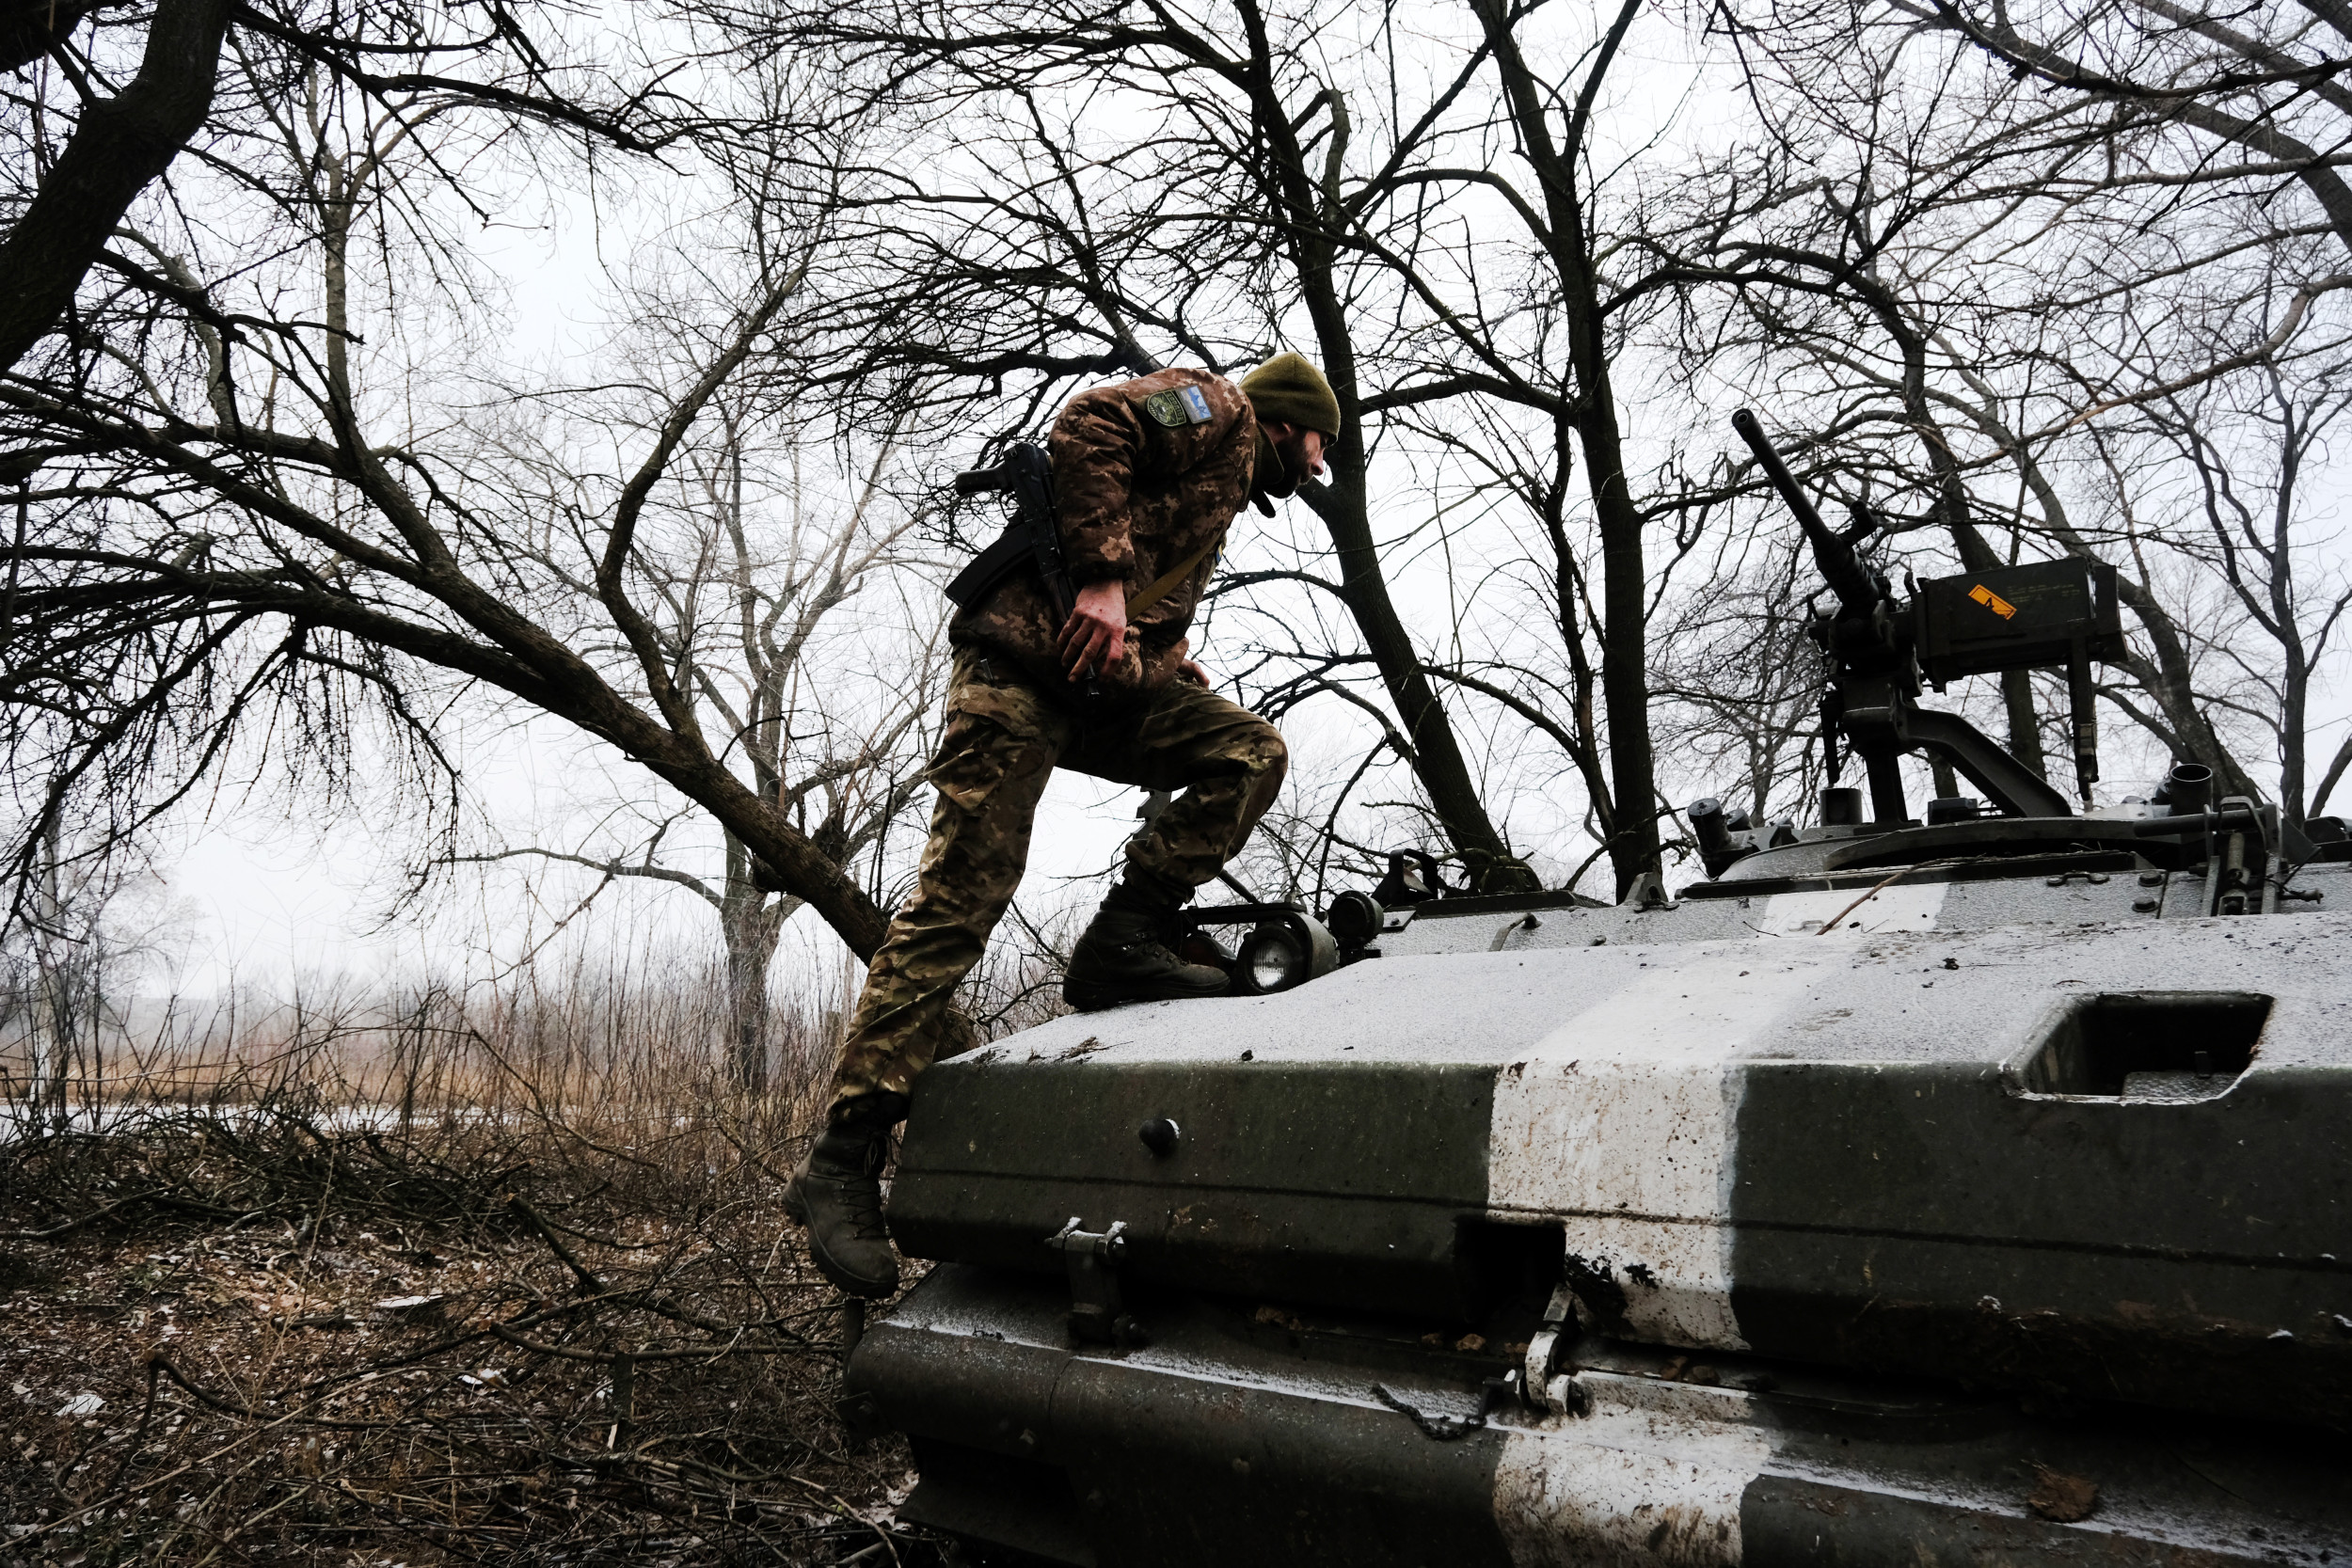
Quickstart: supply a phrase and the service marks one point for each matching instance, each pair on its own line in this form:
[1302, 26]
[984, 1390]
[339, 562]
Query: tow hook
[1098, 1314]
[1546, 1381]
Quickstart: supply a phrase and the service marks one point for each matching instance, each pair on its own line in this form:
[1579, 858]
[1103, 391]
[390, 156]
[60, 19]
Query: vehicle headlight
[1354, 918]
[1283, 953]
[1272, 958]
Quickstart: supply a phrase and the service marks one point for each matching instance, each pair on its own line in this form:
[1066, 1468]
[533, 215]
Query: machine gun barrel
[1839, 568]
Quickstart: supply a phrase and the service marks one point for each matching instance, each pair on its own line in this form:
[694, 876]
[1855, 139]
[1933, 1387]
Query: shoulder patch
[1177, 406]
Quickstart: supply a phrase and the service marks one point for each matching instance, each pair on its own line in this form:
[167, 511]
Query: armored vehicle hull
[1971, 1217]
[1968, 1192]
[1232, 1440]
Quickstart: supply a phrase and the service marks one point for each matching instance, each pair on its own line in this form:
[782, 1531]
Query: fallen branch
[588, 1281]
[1831, 924]
[70, 1225]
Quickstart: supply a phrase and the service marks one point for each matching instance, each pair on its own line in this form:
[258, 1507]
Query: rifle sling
[1166, 583]
[983, 572]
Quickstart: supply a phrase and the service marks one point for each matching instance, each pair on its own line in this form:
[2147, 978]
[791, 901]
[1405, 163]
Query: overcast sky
[266, 900]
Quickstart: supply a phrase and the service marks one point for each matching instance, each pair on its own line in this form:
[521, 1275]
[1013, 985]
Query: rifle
[1032, 537]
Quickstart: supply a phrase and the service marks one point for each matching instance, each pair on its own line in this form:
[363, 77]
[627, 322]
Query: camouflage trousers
[1003, 739]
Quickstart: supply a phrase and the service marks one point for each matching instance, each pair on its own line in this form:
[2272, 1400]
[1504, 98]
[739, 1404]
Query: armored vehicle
[1964, 1188]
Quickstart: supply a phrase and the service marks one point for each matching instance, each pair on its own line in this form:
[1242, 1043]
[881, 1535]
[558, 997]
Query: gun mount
[1957, 1189]
[2059, 613]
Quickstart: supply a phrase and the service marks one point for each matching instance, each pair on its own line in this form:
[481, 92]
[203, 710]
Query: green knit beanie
[1287, 390]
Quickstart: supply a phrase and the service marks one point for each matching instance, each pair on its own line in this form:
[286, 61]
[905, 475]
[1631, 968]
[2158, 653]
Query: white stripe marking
[1624, 1487]
[1620, 1124]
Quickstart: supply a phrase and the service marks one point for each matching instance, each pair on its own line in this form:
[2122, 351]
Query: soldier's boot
[837, 1193]
[1121, 957]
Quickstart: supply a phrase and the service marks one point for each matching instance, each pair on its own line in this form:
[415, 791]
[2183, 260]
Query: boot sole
[1093, 997]
[871, 1290]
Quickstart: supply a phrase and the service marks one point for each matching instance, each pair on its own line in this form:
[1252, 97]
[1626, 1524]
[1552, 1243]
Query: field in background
[429, 1278]
[594, 1038]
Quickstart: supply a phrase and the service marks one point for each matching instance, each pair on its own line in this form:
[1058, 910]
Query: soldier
[1149, 475]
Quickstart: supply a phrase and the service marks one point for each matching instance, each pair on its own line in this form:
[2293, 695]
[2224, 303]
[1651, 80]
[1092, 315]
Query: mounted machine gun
[2044, 614]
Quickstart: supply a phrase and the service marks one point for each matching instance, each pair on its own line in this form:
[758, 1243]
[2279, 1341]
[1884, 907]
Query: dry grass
[633, 1030]
[621, 1355]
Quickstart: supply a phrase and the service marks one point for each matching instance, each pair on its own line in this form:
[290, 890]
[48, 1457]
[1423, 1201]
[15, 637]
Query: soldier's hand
[1095, 636]
[1189, 669]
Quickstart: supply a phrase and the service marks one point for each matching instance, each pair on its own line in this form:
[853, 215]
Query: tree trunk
[58, 1010]
[1589, 754]
[1633, 846]
[752, 926]
[1437, 757]
[2296, 679]
[122, 143]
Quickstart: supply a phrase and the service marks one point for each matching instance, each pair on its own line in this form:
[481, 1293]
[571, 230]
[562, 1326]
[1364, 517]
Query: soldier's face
[1300, 449]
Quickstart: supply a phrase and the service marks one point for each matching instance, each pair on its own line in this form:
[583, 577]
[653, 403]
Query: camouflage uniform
[1146, 474]
[1137, 497]
[1003, 739]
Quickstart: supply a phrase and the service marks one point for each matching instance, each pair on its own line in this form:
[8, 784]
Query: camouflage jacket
[1145, 473]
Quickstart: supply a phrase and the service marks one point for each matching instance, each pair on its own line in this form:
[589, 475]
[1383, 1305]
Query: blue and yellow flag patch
[1178, 406]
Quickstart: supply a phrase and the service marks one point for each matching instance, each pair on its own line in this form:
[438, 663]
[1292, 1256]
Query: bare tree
[1740, 679]
[2259, 81]
[118, 136]
[2064, 279]
[2259, 540]
[1983, 304]
[998, 268]
[1551, 126]
[1425, 216]
[755, 580]
[260, 505]
[69, 973]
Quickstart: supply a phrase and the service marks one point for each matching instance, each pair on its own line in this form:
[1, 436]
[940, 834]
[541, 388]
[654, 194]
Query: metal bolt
[2144, 905]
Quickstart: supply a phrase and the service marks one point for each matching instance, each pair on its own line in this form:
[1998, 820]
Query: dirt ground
[239, 1338]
